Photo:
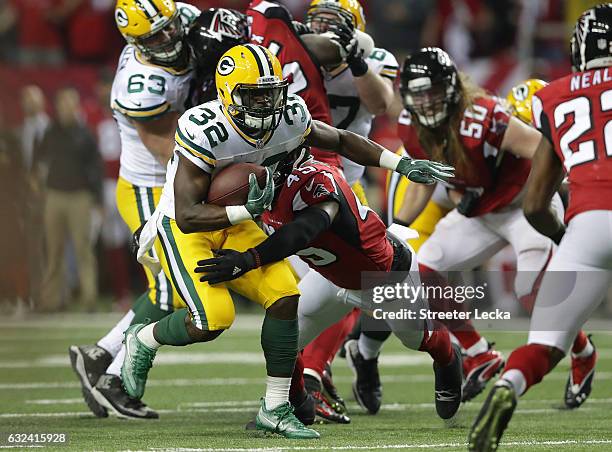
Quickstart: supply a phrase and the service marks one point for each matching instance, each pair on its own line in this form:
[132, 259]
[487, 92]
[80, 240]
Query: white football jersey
[142, 91]
[347, 110]
[208, 139]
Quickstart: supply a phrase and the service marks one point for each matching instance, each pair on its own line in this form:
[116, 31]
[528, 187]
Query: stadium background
[54, 44]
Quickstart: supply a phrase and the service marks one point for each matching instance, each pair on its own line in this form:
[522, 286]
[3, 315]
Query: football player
[155, 82]
[358, 90]
[583, 356]
[447, 117]
[253, 120]
[317, 216]
[573, 113]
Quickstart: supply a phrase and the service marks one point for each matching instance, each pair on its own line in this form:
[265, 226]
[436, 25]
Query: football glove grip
[260, 199]
[424, 171]
[226, 265]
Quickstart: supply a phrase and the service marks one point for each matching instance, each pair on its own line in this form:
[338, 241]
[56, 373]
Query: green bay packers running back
[253, 120]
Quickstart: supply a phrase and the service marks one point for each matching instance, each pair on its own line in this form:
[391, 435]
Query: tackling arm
[546, 175]
[324, 49]
[415, 199]
[286, 241]
[520, 139]
[158, 135]
[375, 91]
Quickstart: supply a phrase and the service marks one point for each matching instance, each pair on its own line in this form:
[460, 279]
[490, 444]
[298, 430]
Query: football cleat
[366, 384]
[282, 421]
[448, 385]
[109, 393]
[89, 362]
[479, 370]
[331, 392]
[326, 413]
[492, 420]
[580, 381]
[306, 411]
[137, 362]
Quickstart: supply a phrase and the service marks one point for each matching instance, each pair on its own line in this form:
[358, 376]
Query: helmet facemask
[166, 46]
[320, 19]
[430, 103]
[259, 108]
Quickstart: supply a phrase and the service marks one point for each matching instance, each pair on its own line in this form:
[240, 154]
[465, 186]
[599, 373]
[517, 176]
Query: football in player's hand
[230, 186]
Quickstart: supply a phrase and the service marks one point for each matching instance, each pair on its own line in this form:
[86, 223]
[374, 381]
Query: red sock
[347, 326]
[463, 330]
[438, 345]
[532, 360]
[297, 392]
[325, 346]
[580, 342]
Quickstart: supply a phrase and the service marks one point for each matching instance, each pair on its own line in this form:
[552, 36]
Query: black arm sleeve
[293, 236]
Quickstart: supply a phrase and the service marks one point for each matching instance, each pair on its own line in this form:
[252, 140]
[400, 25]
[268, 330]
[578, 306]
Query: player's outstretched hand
[343, 35]
[425, 171]
[225, 266]
[260, 199]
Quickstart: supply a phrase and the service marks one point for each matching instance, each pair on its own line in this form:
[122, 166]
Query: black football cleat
[493, 419]
[449, 380]
[580, 381]
[89, 362]
[366, 384]
[331, 392]
[109, 393]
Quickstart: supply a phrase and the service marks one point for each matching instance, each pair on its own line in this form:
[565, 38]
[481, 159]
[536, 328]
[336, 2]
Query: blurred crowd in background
[62, 238]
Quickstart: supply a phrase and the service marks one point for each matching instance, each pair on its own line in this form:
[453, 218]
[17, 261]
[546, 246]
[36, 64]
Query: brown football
[230, 186]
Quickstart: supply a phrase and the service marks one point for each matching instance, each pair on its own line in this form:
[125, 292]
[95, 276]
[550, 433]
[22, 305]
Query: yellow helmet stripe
[149, 8]
[263, 62]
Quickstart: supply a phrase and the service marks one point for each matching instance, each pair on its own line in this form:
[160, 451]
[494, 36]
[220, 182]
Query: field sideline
[206, 393]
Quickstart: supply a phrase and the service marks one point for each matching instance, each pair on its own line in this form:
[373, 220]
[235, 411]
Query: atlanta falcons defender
[448, 118]
[316, 215]
[573, 113]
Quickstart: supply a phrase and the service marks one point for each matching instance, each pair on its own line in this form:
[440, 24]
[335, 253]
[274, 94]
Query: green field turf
[207, 392]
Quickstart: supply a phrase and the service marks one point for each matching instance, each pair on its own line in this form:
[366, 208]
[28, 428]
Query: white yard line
[381, 446]
[182, 382]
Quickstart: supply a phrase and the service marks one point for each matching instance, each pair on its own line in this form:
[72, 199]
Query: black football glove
[301, 28]
[227, 265]
[344, 37]
[135, 241]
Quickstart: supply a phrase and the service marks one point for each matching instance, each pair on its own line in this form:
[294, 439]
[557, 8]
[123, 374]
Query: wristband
[237, 214]
[358, 67]
[253, 252]
[389, 160]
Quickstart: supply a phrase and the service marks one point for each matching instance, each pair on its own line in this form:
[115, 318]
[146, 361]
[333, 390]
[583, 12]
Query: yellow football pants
[211, 307]
[135, 205]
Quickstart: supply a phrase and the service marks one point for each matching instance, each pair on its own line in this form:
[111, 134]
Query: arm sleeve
[293, 236]
[499, 118]
[540, 118]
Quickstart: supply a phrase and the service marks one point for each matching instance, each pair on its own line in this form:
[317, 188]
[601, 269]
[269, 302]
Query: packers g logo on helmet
[154, 27]
[320, 14]
[519, 98]
[251, 88]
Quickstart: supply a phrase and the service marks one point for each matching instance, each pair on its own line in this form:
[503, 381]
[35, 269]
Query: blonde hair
[443, 144]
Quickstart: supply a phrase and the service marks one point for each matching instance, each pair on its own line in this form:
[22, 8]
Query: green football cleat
[137, 362]
[492, 420]
[281, 420]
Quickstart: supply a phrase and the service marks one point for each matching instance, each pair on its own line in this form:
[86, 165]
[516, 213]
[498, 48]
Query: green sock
[147, 312]
[279, 341]
[171, 330]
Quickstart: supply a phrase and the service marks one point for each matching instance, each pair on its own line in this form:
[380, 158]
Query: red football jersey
[355, 242]
[481, 131]
[271, 26]
[575, 114]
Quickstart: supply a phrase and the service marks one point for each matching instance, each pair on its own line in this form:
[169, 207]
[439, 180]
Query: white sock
[368, 347]
[516, 379]
[586, 351]
[479, 347]
[115, 367]
[146, 336]
[113, 339]
[277, 391]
